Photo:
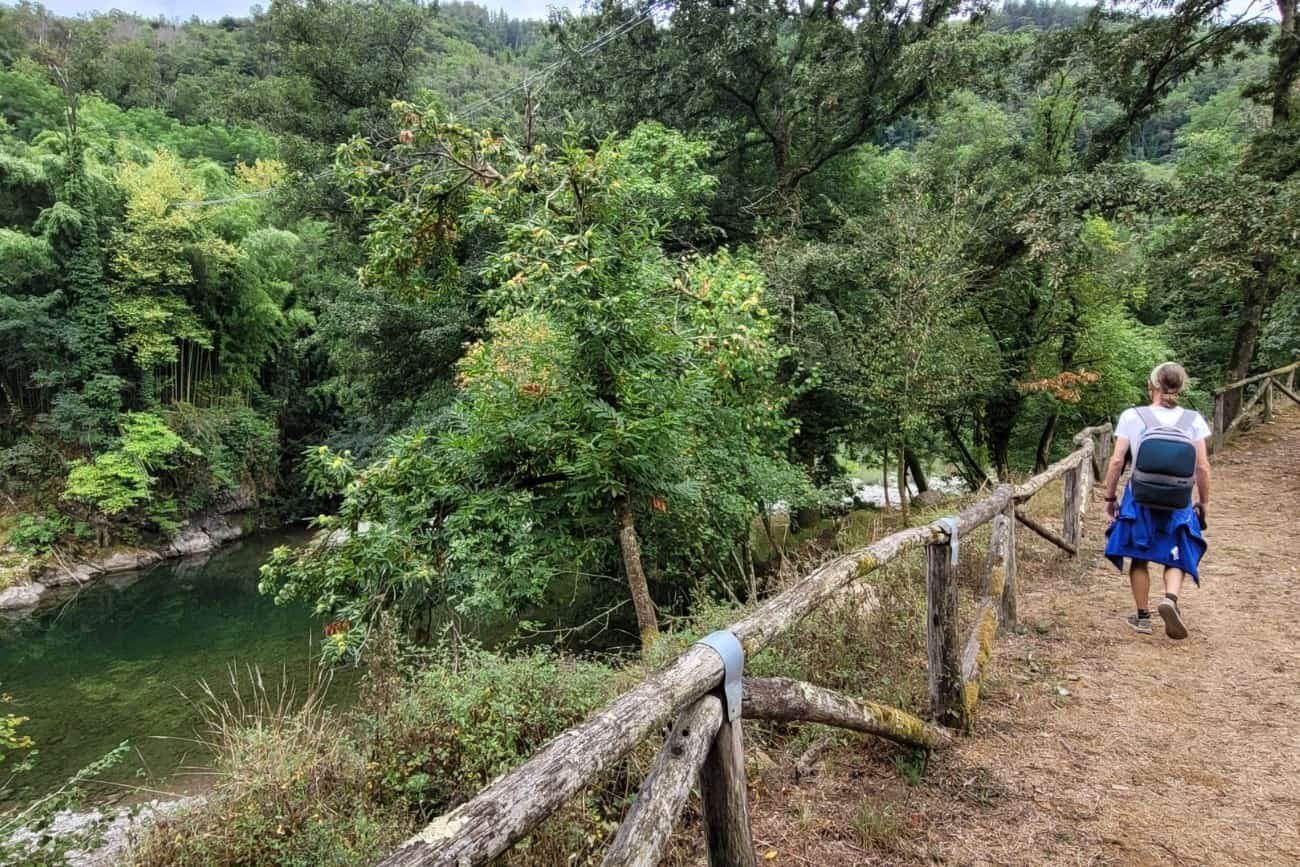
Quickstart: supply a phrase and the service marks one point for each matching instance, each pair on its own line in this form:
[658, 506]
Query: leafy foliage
[35, 535]
[121, 480]
[609, 374]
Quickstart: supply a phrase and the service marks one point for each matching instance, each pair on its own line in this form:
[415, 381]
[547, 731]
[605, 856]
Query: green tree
[344, 62]
[786, 90]
[1228, 252]
[609, 376]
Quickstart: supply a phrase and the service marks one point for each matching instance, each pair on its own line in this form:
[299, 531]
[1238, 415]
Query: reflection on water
[117, 662]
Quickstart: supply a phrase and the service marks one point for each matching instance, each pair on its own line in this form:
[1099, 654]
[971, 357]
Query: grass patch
[876, 826]
[300, 785]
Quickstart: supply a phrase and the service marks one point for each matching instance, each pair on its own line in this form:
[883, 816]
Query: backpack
[1165, 465]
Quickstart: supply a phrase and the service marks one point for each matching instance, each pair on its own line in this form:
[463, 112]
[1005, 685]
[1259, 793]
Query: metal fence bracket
[728, 647]
[954, 538]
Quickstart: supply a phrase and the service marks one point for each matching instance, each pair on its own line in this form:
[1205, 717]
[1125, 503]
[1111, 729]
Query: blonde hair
[1168, 381]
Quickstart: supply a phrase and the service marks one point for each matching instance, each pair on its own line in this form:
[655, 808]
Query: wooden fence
[1265, 385]
[705, 697]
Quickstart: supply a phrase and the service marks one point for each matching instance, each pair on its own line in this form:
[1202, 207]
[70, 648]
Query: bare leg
[1174, 625]
[1173, 580]
[1139, 578]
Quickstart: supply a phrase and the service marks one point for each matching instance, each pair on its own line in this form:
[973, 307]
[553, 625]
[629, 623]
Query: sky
[211, 9]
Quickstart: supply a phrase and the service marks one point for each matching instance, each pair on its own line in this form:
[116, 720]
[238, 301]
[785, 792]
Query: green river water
[124, 658]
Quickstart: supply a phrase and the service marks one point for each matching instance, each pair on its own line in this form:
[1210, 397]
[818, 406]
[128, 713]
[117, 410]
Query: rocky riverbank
[105, 837]
[50, 582]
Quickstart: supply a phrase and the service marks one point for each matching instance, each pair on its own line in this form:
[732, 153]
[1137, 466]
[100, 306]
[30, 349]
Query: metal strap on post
[728, 647]
[953, 529]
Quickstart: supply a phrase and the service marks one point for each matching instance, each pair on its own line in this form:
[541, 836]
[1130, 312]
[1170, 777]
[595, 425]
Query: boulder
[221, 528]
[127, 559]
[929, 499]
[22, 596]
[191, 540]
[78, 574]
[242, 499]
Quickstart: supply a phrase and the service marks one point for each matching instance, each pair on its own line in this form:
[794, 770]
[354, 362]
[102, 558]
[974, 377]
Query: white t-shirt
[1132, 428]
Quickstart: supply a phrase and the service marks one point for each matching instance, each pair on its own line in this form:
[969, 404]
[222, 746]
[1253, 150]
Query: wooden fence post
[724, 793]
[648, 825]
[1070, 522]
[941, 634]
[1268, 400]
[1007, 615]
[1087, 478]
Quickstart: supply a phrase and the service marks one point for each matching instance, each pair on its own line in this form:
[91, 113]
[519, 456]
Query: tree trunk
[884, 474]
[1243, 348]
[902, 486]
[1000, 424]
[1044, 453]
[1288, 63]
[918, 472]
[970, 468]
[777, 549]
[646, 621]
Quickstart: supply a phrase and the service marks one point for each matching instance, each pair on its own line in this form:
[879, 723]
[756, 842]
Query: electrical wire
[586, 50]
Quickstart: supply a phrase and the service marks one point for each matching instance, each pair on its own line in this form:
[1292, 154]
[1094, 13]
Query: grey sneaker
[1139, 624]
[1174, 626]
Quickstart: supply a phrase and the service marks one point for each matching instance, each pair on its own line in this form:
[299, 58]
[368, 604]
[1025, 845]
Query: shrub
[112, 483]
[299, 785]
[471, 714]
[306, 787]
[35, 535]
[28, 465]
[120, 480]
[239, 448]
[290, 789]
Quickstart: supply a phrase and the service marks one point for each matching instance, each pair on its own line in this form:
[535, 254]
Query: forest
[494, 303]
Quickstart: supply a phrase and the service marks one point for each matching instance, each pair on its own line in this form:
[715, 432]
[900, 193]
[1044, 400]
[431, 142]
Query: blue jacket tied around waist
[1172, 538]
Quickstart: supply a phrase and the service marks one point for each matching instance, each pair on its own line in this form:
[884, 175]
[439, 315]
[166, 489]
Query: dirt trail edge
[1096, 745]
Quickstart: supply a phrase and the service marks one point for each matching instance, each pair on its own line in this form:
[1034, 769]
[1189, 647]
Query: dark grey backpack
[1164, 468]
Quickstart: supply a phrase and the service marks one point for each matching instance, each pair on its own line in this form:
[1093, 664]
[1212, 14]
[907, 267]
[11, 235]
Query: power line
[243, 197]
[479, 105]
[588, 49]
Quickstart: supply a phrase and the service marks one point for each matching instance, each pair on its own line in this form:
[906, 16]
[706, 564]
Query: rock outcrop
[200, 534]
[22, 596]
[114, 832]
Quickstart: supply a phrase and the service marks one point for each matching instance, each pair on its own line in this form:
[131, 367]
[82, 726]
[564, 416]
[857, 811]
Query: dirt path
[1100, 746]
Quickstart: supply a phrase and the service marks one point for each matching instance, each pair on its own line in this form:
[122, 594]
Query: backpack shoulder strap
[1148, 417]
[1186, 421]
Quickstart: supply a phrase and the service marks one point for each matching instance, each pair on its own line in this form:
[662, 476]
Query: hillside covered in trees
[506, 302]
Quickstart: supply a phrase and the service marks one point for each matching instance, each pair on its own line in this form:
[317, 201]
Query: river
[123, 661]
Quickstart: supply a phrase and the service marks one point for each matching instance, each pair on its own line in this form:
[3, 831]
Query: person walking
[1158, 520]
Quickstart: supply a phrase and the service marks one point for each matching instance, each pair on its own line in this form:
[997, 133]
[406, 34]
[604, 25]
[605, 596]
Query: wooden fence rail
[1280, 380]
[706, 739]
